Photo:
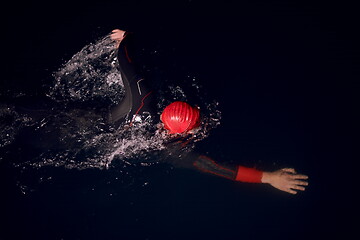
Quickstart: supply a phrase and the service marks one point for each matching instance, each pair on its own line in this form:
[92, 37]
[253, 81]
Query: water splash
[90, 75]
[10, 124]
[101, 150]
[85, 140]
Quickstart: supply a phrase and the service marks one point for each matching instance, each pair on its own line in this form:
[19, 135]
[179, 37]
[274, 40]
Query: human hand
[117, 35]
[286, 180]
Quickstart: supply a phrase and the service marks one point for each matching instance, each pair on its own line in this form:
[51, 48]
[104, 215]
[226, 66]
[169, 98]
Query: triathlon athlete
[179, 119]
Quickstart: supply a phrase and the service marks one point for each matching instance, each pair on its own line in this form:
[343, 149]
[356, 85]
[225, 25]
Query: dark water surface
[284, 76]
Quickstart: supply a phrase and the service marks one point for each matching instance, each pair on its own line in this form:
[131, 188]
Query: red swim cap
[180, 117]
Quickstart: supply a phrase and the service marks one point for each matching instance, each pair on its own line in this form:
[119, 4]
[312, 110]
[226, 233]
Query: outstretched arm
[285, 179]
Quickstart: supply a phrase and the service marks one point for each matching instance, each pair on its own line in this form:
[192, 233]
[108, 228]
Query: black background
[285, 75]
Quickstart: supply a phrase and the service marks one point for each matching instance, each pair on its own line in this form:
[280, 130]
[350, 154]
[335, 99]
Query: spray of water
[85, 139]
[10, 124]
[90, 75]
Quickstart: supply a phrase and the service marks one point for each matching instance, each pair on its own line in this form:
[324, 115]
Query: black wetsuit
[139, 99]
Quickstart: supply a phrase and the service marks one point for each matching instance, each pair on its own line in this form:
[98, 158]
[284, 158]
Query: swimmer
[180, 119]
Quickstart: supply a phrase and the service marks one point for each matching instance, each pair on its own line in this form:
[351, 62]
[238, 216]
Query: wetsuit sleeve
[236, 173]
[138, 95]
[207, 165]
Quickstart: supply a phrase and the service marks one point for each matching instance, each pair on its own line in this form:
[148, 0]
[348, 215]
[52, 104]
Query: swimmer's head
[180, 117]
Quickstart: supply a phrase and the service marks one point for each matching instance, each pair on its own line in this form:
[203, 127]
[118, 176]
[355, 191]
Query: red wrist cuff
[251, 175]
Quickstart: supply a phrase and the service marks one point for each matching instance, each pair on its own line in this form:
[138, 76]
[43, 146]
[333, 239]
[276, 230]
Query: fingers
[117, 31]
[300, 183]
[294, 175]
[117, 34]
[293, 189]
[289, 190]
[289, 170]
[298, 188]
[299, 176]
[296, 185]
